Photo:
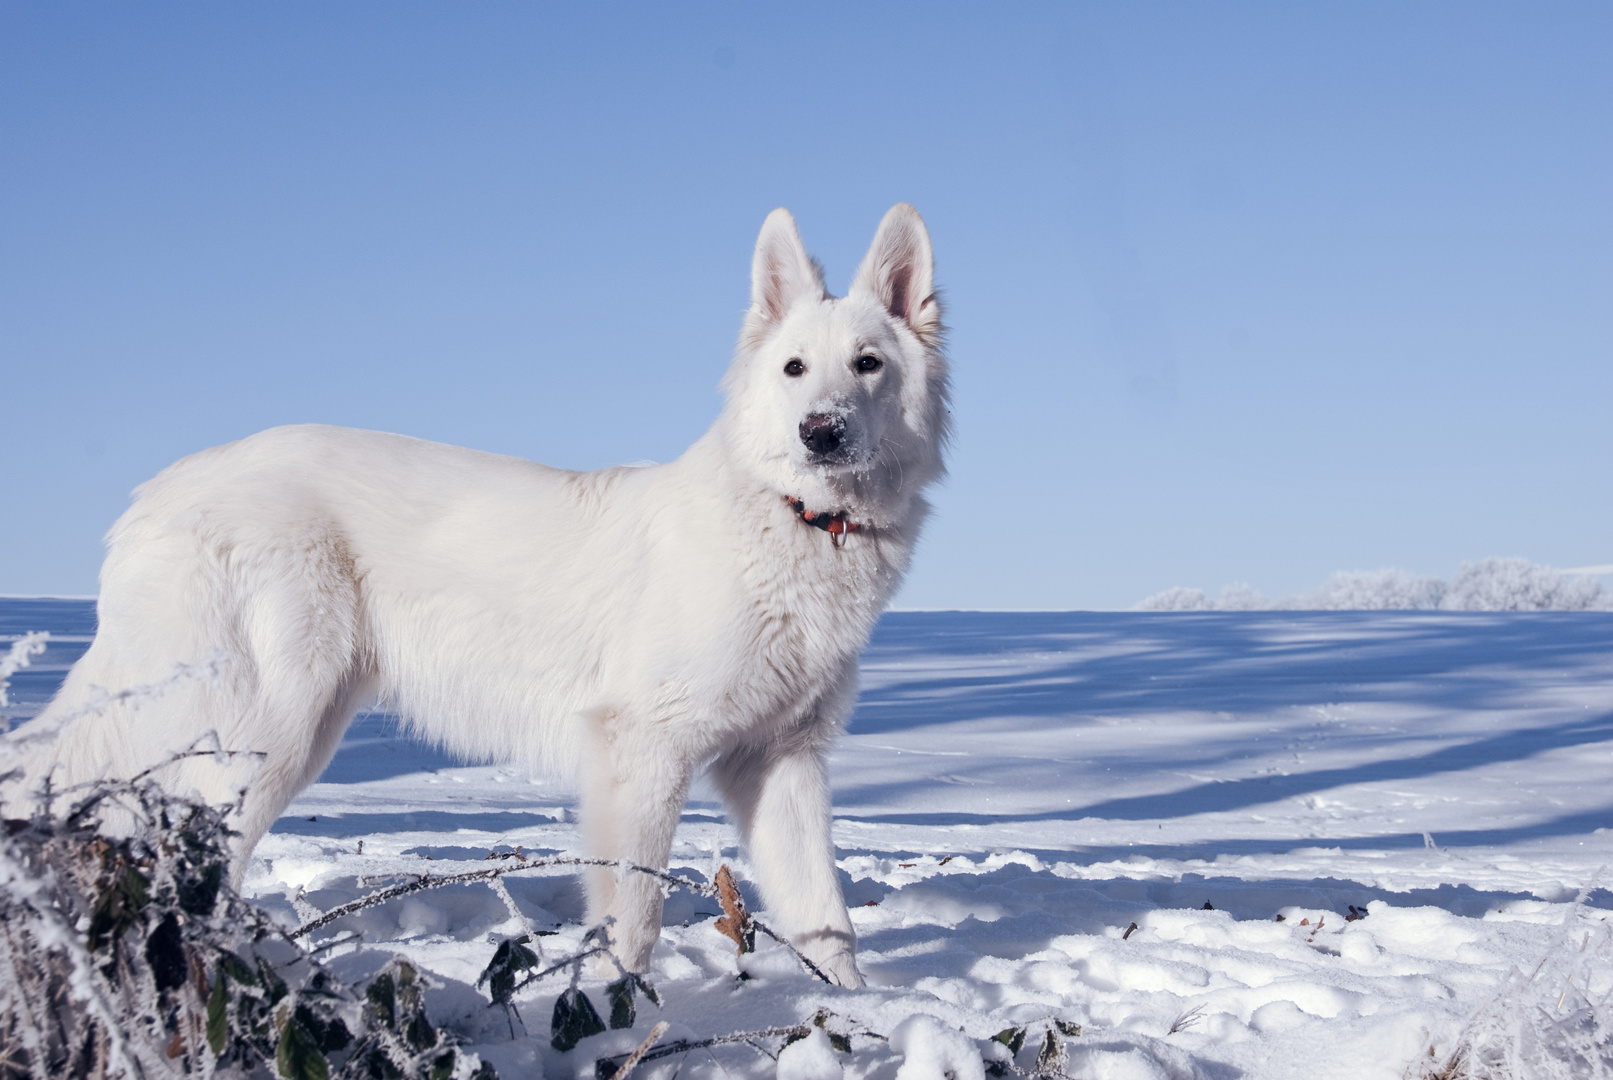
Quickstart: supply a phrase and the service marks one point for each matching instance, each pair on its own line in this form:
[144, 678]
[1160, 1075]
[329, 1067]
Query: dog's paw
[842, 968]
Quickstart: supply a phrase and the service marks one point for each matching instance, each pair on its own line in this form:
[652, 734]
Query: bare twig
[1187, 1019]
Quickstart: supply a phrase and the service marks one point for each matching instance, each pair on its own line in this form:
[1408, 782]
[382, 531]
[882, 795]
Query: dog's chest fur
[805, 609]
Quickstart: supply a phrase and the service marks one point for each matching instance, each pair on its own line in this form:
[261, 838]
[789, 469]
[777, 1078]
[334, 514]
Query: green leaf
[218, 1015]
[620, 996]
[443, 1067]
[574, 1019]
[1013, 1038]
[231, 964]
[297, 1056]
[1068, 1027]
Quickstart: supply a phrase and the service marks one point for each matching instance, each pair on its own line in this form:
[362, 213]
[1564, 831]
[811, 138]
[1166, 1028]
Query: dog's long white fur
[628, 626]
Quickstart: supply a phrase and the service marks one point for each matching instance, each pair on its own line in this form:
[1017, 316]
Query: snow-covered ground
[1017, 789]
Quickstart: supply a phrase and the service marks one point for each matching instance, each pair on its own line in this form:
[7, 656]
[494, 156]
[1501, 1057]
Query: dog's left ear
[899, 269]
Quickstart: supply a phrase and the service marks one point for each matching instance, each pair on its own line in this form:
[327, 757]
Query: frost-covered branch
[20, 655]
[205, 670]
[494, 873]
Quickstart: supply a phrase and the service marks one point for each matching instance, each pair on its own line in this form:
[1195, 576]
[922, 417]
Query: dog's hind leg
[780, 794]
[300, 616]
[634, 787]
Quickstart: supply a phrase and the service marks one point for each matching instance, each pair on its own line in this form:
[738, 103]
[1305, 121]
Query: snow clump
[811, 1058]
[932, 1051]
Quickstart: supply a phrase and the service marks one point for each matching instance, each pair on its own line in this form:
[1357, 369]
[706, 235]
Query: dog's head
[842, 401]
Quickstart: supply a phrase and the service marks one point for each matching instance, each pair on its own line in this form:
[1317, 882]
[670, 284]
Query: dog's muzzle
[824, 435]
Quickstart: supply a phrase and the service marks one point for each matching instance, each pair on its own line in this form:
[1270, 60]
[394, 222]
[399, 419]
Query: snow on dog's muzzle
[824, 434]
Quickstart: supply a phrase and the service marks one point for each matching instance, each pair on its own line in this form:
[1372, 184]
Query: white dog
[627, 626]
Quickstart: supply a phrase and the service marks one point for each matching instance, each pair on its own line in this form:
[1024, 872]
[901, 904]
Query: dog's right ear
[781, 272]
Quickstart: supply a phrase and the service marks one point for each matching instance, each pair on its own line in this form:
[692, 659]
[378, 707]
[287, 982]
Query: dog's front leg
[780, 794]
[634, 788]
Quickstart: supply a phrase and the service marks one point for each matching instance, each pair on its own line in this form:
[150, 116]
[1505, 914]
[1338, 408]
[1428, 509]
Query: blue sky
[1239, 292]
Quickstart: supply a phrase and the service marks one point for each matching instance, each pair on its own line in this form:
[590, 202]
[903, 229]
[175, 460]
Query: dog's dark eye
[794, 369]
[865, 364]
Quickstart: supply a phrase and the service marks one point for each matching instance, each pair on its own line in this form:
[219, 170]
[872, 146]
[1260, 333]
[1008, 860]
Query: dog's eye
[865, 364]
[794, 369]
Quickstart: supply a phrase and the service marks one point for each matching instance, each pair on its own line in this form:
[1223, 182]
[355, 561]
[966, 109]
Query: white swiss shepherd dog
[625, 627]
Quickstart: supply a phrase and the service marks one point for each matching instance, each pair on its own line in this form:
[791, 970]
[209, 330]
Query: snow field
[1017, 790]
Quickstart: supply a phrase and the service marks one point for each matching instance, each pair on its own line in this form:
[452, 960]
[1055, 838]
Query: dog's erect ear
[900, 270]
[781, 272]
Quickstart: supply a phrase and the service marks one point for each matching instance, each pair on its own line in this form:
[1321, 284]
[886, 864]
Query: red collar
[836, 525]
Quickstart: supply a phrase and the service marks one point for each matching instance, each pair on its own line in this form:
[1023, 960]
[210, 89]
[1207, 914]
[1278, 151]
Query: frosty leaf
[840, 1042]
[231, 965]
[274, 987]
[165, 952]
[297, 1056]
[510, 959]
[383, 998]
[1068, 1027]
[330, 1034]
[199, 895]
[1051, 1057]
[574, 1019]
[648, 990]
[420, 1035]
[620, 996]
[119, 903]
[1013, 1038]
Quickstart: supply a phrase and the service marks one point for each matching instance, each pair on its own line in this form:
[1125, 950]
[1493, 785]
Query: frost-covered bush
[1551, 1023]
[1375, 590]
[129, 955]
[1520, 585]
[1178, 598]
[1487, 585]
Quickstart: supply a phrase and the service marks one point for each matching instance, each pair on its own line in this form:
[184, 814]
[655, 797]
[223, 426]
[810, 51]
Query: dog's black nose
[822, 433]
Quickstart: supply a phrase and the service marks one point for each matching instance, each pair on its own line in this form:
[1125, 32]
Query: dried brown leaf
[735, 923]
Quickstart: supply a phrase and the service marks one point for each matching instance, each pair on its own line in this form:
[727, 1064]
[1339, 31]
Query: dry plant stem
[636, 1056]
